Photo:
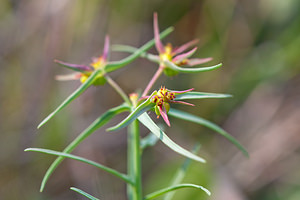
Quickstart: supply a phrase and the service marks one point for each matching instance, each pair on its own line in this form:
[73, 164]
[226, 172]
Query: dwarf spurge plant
[171, 61]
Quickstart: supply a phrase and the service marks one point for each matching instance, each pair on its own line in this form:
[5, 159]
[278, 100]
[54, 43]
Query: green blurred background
[258, 42]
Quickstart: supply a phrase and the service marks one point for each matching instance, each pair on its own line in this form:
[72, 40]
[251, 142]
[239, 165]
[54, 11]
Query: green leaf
[100, 121]
[169, 189]
[67, 155]
[112, 66]
[147, 121]
[84, 193]
[131, 49]
[145, 106]
[73, 96]
[200, 95]
[181, 172]
[148, 141]
[198, 120]
[190, 69]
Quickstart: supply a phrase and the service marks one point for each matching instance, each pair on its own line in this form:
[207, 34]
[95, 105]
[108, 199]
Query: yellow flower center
[133, 98]
[167, 55]
[84, 77]
[98, 63]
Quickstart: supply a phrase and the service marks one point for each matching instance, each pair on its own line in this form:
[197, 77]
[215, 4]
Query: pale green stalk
[118, 89]
[134, 191]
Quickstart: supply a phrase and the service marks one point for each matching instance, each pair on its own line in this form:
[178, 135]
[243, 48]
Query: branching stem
[118, 89]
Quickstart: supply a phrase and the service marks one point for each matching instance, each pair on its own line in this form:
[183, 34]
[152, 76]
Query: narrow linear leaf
[190, 70]
[116, 65]
[99, 122]
[169, 189]
[147, 121]
[131, 49]
[145, 106]
[78, 158]
[124, 48]
[73, 96]
[84, 193]
[198, 120]
[200, 95]
[181, 172]
[148, 141]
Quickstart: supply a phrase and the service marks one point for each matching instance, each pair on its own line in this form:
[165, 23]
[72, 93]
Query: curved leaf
[148, 141]
[190, 70]
[147, 121]
[180, 173]
[78, 158]
[100, 121]
[73, 96]
[169, 189]
[131, 49]
[200, 95]
[84, 193]
[111, 66]
[145, 106]
[192, 118]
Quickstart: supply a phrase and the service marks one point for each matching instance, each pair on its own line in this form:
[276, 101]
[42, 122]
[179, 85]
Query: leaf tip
[110, 129]
[40, 125]
[245, 152]
[42, 188]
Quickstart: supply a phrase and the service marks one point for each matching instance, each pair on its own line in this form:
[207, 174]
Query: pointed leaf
[84, 193]
[145, 106]
[169, 189]
[181, 172]
[190, 70]
[112, 66]
[147, 121]
[99, 122]
[192, 118]
[200, 95]
[73, 96]
[78, 158]
[148, 141]
[131, 49]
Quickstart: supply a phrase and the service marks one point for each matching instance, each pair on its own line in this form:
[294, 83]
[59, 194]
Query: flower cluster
[162, 101]
[84, 71]
[175, 55]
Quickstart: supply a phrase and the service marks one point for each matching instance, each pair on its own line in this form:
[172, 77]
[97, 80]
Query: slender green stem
[118, 89]
[153, 80]
[134, 191]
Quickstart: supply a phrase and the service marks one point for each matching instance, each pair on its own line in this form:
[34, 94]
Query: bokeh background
[258, 42]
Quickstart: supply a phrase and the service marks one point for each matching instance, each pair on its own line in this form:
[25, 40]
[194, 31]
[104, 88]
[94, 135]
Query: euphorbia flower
[175, 55]
[84, 71]
[162, 101]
